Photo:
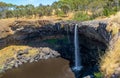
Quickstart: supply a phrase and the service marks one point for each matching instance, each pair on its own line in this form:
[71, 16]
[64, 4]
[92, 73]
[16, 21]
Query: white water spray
[78, 65]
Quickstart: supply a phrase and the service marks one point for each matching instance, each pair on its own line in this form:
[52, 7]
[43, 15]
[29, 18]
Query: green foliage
[108, 12]
[59, 13]
[98, 75]
[61, 8]
[9, 14]
[80, 16]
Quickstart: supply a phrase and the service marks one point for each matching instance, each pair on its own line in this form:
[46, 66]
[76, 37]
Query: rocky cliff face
[96, 31]
[93, 33]
[94, 37]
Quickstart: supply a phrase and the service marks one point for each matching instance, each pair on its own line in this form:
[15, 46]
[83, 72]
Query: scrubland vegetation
[82, 9]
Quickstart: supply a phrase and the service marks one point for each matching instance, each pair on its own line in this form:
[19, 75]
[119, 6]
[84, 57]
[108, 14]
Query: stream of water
[78, 65]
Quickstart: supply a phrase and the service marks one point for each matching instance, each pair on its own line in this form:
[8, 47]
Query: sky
[34, 2]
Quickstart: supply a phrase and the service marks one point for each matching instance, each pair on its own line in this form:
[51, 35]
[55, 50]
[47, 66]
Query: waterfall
[78, 65]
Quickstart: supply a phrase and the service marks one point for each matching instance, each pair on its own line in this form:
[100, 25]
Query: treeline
[10, 10]
[61, 8]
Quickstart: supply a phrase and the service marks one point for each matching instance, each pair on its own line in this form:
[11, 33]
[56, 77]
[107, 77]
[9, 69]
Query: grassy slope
[111, 60]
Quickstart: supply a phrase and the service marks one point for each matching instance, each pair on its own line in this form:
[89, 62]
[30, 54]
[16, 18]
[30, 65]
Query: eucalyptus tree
[3, 8]
[41, 10]
[30, 9]
[97, 7]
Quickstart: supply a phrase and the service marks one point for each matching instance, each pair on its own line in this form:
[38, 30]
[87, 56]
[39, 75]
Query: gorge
[92, 41]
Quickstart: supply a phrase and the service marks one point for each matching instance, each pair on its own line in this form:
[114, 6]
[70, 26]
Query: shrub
[108, 12]
[81, 16]
[59, 13]
[98, 75]
[114, 24]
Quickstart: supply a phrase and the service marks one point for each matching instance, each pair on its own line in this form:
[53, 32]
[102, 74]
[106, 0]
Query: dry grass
[114, 24]
[53, 18]
[6, 22]
[10, 51]
[111, 60]
[4, 27]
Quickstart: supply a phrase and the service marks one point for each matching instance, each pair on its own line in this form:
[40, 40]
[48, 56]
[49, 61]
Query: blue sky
[34, 2]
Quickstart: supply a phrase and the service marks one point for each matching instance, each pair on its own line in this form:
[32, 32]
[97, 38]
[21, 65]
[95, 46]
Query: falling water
[77, 50]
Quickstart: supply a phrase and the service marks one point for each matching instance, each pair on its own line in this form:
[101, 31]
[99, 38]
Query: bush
[98, 75]
[81, 16]
[108, 12]
[59, 13]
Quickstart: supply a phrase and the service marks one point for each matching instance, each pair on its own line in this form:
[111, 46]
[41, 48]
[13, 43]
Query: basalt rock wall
[93, 36]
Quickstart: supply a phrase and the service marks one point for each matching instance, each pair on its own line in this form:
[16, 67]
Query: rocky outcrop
[24, 56]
